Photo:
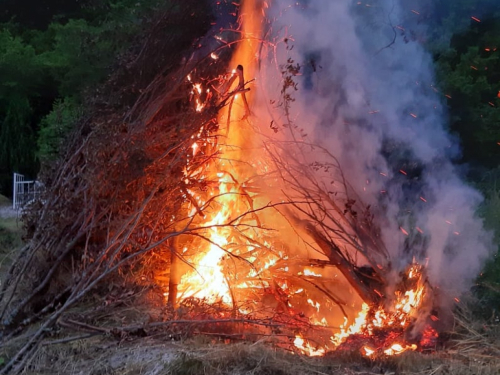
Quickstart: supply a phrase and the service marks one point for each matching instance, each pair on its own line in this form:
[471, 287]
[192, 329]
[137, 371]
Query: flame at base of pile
[250, 279]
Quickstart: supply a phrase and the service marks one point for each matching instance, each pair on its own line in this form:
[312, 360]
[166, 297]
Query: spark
[475, 19]
[404, 231]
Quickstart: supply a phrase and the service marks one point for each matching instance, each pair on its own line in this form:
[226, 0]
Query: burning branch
[231, 95]
[336, 258]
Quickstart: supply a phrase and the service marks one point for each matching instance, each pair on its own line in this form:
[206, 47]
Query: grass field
[10, 235]
[206, 356]
[4, 200]
[10, 224]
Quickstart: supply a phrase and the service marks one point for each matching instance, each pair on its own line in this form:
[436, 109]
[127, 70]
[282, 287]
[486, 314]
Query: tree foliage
[469, 72]
[50, 55]
[55, 126]
[21, 72]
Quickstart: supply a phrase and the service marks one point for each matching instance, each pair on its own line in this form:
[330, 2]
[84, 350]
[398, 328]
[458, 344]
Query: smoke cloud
[366, 93]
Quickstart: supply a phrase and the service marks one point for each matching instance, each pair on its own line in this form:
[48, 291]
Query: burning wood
[239, 222]
[242, 259]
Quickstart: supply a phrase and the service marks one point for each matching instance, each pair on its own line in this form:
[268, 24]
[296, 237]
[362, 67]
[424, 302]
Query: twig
[70, 339]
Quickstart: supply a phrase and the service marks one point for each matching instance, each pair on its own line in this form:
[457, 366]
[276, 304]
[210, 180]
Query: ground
[6, 210]
[474, 350]
[204, 356]
[10, 232]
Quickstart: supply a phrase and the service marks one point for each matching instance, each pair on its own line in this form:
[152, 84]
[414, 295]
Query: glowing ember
[401, 314]
[398, 349]
[368, 351]
[308, 272]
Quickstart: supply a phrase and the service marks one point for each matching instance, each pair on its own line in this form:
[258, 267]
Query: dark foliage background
[53, 56]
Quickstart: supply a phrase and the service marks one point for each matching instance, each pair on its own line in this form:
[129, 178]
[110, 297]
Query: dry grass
[474, 348]
[11, 232]
[206, 356]
[257, 359]
[8, 223]
[10, 237]
[98, 356]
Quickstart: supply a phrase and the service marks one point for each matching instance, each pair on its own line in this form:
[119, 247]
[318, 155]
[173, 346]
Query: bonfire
[207, 195]
[280, 246]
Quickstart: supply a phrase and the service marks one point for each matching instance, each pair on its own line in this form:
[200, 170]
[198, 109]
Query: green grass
[11, 233]
[4, 201]
[11, 224]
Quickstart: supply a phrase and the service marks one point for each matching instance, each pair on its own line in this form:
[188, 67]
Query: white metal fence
[24, 191]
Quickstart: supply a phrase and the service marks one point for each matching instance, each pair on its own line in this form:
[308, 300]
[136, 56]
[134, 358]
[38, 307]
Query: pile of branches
[113, 195]
[114, 201]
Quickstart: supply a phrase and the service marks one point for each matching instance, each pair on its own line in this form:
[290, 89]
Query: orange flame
[210, 281]
[307, 348]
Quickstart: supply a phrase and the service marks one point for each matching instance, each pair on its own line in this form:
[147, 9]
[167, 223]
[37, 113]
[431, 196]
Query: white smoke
[366, 93]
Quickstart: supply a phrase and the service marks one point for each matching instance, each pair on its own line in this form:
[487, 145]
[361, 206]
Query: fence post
[14, 192]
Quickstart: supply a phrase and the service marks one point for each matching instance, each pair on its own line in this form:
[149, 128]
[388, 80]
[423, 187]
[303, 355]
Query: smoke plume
[366, 93]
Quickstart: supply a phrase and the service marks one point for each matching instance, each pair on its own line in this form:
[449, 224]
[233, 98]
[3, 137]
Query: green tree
[55, 126]
[48, 60]
[21, 73]
[488, 283]
[469, 74]
[80, 57]
[446, 18]
[37, 14]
